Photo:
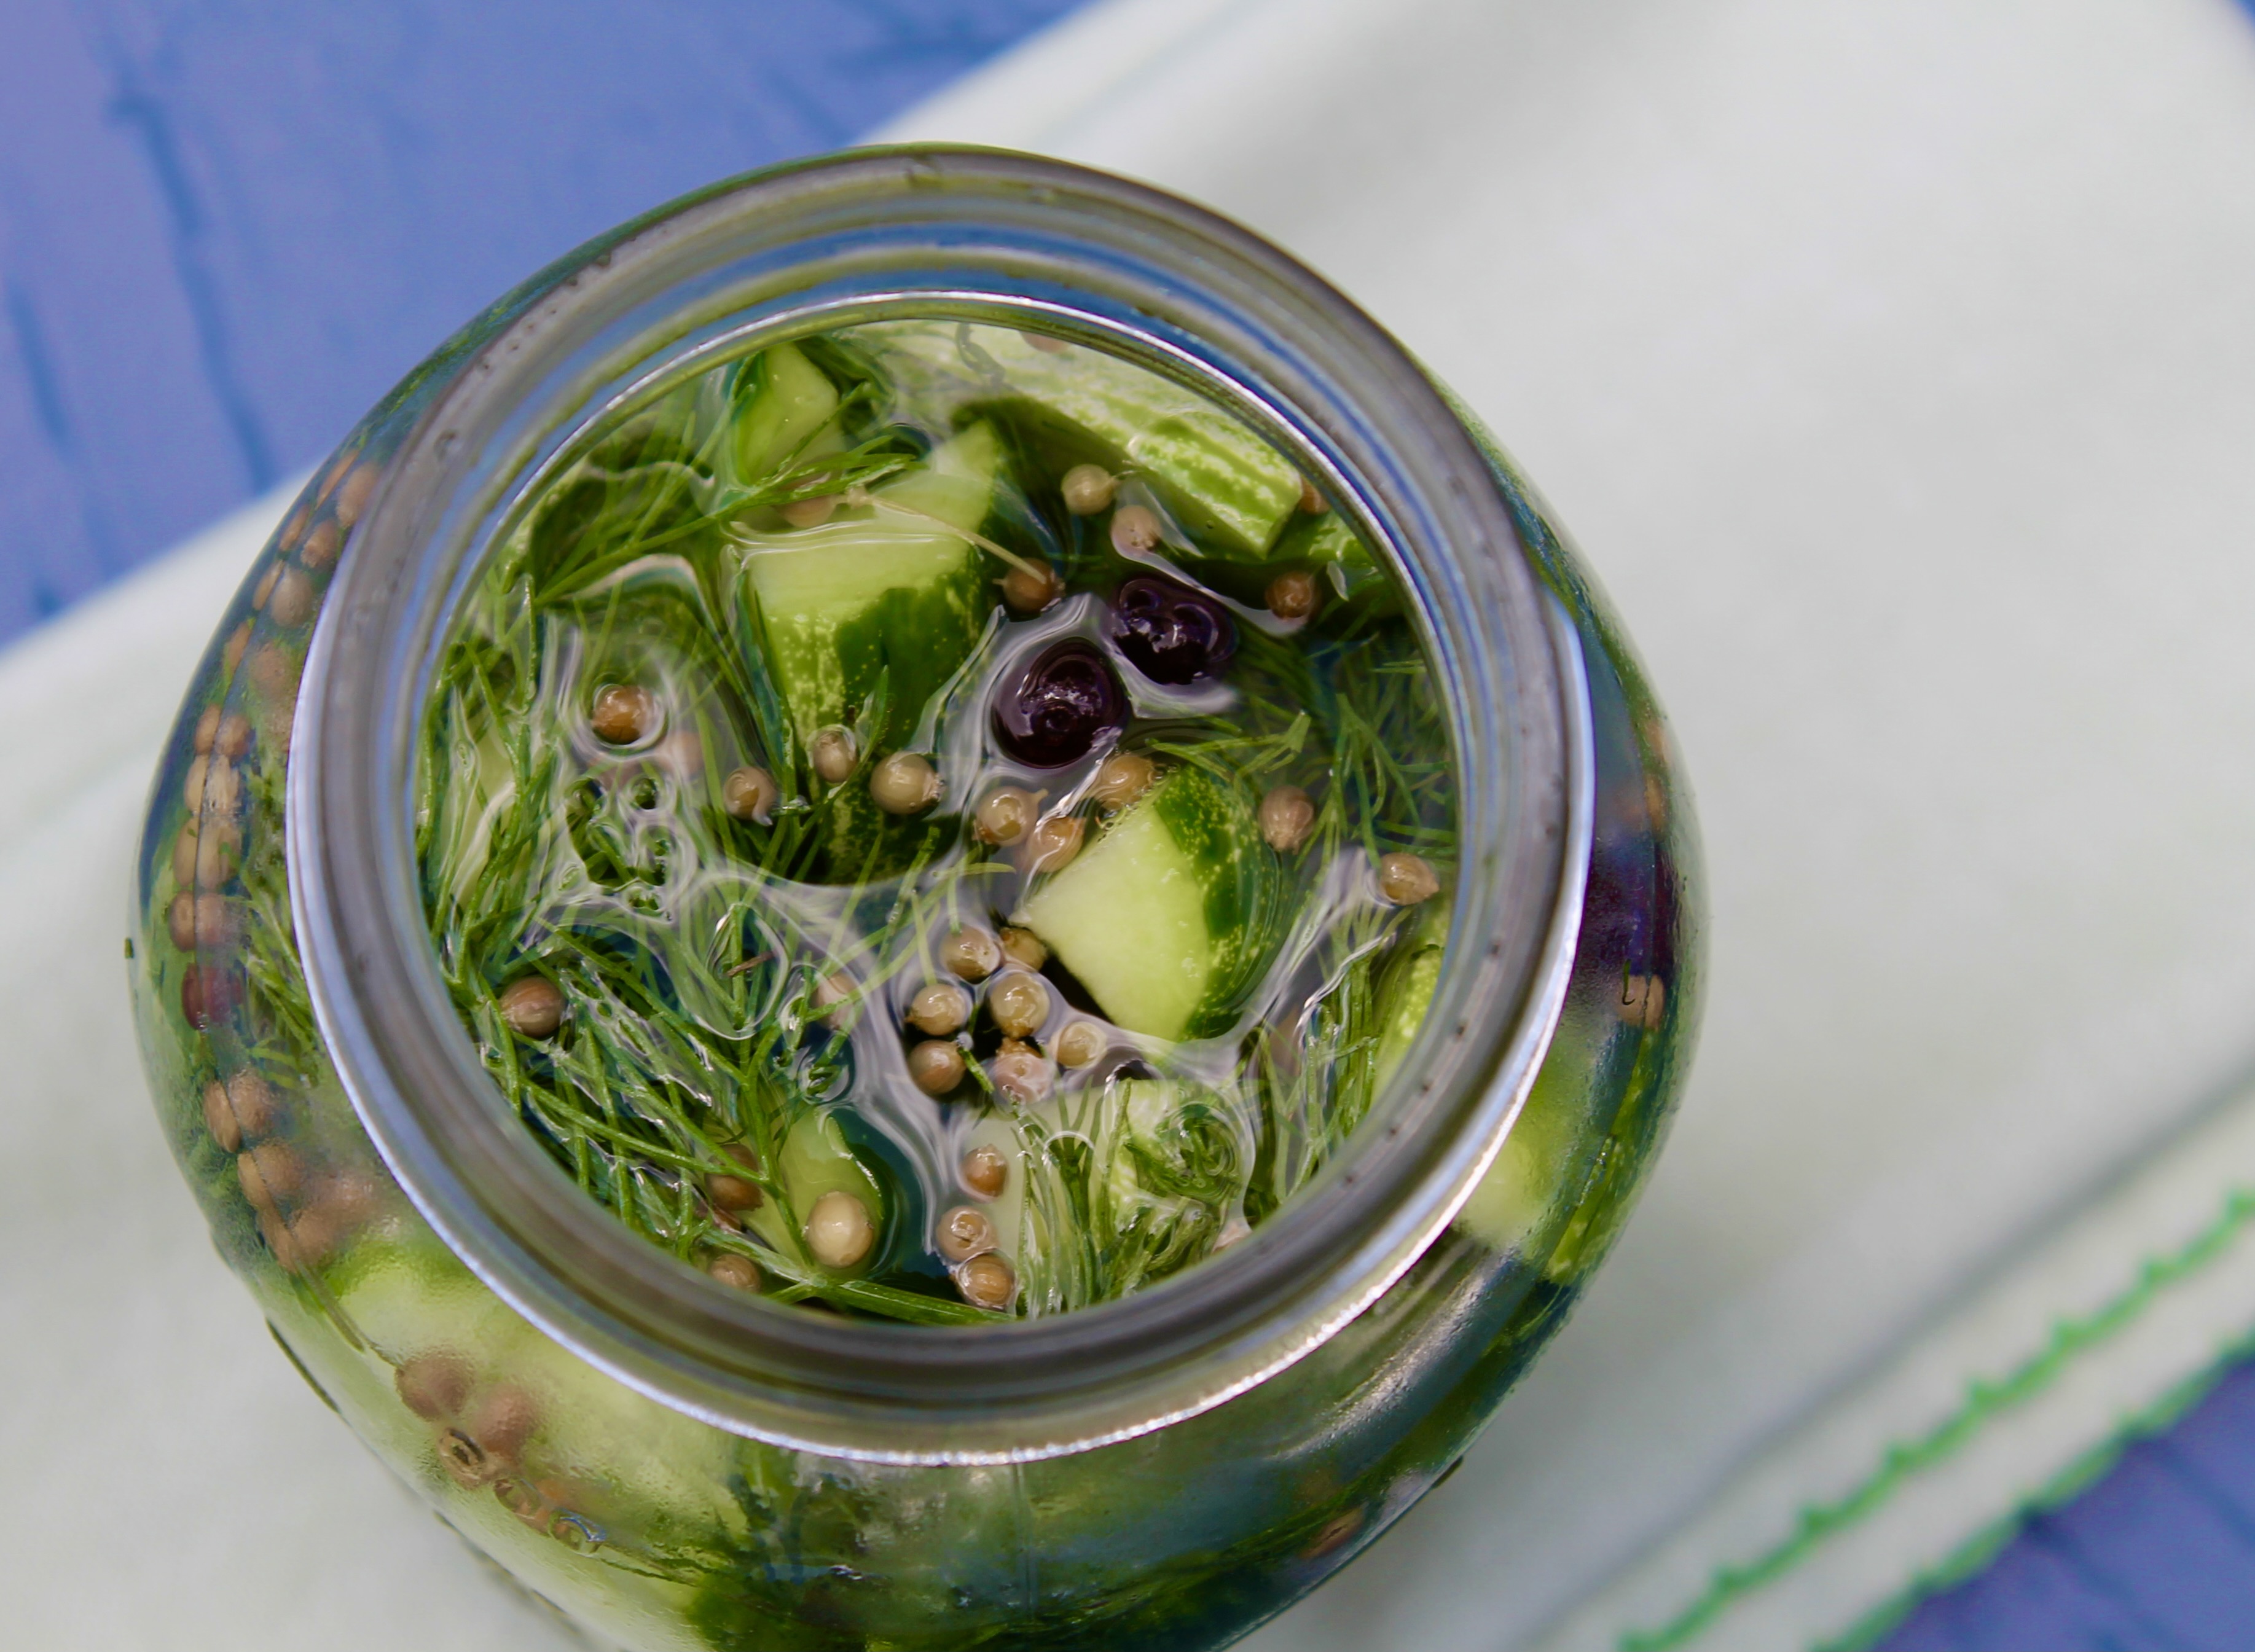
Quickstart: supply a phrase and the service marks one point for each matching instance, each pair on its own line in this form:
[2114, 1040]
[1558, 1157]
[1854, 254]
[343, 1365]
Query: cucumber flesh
[879, 593]
[1169, 914]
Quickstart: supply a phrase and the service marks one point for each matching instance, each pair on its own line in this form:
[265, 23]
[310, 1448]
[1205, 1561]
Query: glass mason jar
[671, 1464]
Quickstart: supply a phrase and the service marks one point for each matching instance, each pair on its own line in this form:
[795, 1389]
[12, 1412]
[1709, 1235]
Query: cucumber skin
[1215, 827]
[1224, 483]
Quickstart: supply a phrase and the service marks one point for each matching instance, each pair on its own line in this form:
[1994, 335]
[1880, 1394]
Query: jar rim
[959, 231]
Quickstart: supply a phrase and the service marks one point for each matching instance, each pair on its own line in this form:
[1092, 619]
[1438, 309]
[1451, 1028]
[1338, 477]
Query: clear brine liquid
[932, 821]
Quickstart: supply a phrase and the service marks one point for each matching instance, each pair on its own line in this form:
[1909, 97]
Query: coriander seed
[533, 1006]
[986, 1172]
[833, 752]
[937, 1066]
[1052, 843]
[1080, 1044]
[1123, 777]
[1019, 1003]
[904, 784]
[1087, 489]
[963, 1234]
[940, 1008]
[737, 1272]
[1407, 879]
[1024, 948]
[986, 1281]
[624, 714]
[1004, 814]
[1137, 530]
[749, 794]
[971, 953]
[1293, 596]
[839, 1231]
[1287, 816]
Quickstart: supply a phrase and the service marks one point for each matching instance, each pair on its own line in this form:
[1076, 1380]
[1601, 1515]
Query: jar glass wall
[674, 1467]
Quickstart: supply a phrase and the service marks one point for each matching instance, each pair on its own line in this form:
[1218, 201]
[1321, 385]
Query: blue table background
[228, 226]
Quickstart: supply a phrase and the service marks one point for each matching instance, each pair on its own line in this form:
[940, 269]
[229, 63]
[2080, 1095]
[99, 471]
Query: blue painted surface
[2159, 1554]
[228, 226]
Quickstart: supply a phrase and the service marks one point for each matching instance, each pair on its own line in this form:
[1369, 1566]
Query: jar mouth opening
[1034, 244]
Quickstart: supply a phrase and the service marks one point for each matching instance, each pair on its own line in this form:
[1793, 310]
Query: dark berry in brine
[1171, 633]
[1063, 700]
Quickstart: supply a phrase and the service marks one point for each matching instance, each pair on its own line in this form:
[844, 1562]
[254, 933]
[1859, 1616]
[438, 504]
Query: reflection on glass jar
[738, 1107]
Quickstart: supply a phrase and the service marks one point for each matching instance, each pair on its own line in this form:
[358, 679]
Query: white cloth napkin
[1895, 368]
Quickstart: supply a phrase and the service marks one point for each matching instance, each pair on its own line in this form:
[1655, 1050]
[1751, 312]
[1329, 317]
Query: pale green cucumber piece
[878, 592]
[1168, 917]
[816, 1160]
[1407, 994]
[1521, 1188]
[783, 404]
[1228, 488]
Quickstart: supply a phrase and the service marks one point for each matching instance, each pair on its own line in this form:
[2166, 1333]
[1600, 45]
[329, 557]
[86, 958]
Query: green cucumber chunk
[1169, 915]
[1228, 488]
[897, 595]
[783, 402]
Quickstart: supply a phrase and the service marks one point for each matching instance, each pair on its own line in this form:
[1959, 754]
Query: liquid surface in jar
[937, 823]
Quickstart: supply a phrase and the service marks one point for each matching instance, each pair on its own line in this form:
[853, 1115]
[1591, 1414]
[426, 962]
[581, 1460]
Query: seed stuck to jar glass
[1137, 530]
[1288, 814]
[623, 713]
[904, 784]
[937, 1066]
[321, 544]
[739, 1273]
[292, 603]
[986, 1281]
[433, 1385]
[986, 1172]
[1004, 814]
[240, 1110]
[533, 1006]
[1312, 501]
[270, 1175]
[1407, 879]
[1121, 778]
[1087, 489]
[1293, 596]
[940, 1010]
[1019, 1003]
[833, 752]
[1052, 843]
[1080, 1044]
[964, 1233]
[971, 953]
[749, 793]
[839, 1231]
